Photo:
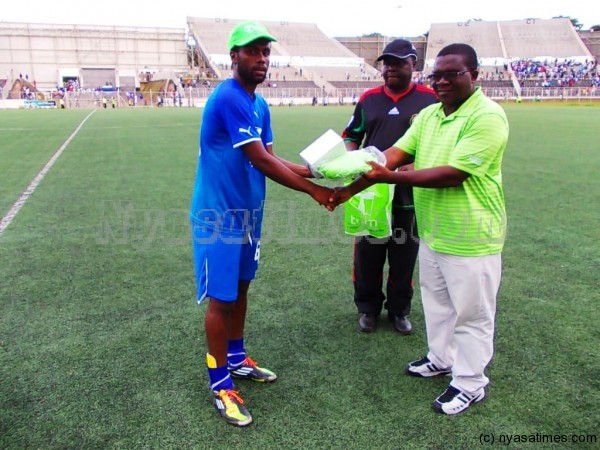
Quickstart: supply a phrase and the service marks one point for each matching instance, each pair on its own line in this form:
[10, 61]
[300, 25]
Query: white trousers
[459, 303]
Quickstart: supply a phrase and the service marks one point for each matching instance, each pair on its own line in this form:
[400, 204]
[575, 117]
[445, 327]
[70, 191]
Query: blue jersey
[229, 193]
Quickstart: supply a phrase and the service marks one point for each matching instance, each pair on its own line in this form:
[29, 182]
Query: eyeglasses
[448, 76]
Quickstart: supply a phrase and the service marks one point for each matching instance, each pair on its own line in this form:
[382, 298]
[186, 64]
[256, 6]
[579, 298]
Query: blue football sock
[219, 377]
[236, 354]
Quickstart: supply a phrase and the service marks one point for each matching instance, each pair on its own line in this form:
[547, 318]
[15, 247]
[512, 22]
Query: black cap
[399, 48]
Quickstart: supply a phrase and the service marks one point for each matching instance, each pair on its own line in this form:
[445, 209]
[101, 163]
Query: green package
[349, 165]
[370, 212]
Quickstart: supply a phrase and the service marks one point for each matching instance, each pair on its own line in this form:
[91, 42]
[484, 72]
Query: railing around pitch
[196, 97]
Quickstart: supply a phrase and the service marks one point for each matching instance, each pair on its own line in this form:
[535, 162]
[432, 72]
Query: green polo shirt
[468, 220]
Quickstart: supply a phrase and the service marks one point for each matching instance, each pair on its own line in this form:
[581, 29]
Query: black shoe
[367, 322]
[401, 324]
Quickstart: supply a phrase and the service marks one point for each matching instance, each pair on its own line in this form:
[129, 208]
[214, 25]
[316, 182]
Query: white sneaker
[454, 401]
[425, 369]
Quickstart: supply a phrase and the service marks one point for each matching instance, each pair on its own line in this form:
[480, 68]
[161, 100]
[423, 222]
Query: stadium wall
[49, 53]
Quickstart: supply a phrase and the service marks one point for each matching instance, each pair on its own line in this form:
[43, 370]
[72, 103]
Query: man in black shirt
[381, 116]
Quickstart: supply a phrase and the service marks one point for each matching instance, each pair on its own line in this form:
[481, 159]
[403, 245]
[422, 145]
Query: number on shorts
[257, 253]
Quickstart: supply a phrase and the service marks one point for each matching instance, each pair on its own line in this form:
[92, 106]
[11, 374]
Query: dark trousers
[370, 254]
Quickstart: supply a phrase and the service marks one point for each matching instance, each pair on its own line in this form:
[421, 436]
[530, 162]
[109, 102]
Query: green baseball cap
[246, 32]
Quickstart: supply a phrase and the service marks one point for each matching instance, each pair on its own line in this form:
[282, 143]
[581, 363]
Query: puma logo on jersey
[243, 130]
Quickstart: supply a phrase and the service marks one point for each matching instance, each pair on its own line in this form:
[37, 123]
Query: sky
[336, 18]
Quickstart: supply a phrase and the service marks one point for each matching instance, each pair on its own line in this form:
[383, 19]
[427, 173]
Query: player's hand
[379, 173]
[322, 196]
[340, 195]
[406, 167]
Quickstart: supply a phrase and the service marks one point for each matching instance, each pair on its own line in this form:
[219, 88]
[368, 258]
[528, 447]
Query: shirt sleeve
[483, 138]
[410, 140]
[266, 131]
[356, 128]
[238, 119]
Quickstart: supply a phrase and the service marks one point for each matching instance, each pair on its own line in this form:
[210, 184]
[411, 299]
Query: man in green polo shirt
[457, 147]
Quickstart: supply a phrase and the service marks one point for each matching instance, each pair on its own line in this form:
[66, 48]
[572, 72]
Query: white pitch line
[14, 210]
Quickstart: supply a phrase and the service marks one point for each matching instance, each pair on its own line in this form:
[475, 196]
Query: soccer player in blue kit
[226, 212]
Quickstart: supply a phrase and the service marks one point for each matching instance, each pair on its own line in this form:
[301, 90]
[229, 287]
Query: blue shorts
[221, 262]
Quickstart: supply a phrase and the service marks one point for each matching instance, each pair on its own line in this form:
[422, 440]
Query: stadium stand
[534, 38]
[499, 44]
[591, 40]
[483, 36]
[83, 62]
[302, 52]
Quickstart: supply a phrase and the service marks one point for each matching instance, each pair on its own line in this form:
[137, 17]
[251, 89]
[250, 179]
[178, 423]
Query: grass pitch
[102, 345]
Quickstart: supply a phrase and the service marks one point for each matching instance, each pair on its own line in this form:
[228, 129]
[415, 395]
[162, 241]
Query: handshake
[327, 157]
[332, 197]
